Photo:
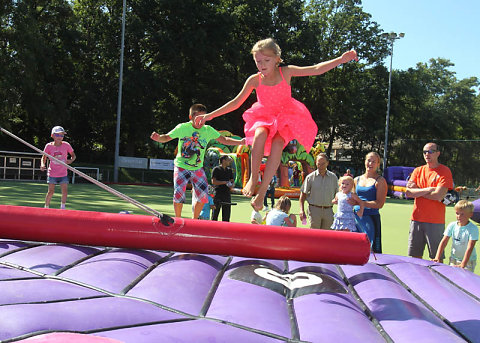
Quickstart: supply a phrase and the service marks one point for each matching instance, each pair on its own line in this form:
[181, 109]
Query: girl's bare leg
[271, 167]
[258, 146]
[64, 188]
[50, 192]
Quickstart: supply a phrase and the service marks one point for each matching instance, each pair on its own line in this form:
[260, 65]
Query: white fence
[16, 165]
[92, 172]
[20, 166]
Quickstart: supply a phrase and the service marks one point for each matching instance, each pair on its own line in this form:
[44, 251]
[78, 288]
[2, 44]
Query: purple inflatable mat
[155, 296]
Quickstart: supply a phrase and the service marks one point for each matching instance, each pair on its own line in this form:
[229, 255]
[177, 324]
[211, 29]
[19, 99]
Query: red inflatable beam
[185, 235]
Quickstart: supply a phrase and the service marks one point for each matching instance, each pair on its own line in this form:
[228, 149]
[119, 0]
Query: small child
[208, 207]
[279, 215]
[296, 176]
[270, 194]
[464, 234]
[256, 217]
[345, 216]
[57, 173]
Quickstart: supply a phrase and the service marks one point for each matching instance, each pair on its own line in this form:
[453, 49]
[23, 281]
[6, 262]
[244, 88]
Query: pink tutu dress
[277, 111]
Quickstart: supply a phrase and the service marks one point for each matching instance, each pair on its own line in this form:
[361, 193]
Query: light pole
[392, 36]
[119, 103]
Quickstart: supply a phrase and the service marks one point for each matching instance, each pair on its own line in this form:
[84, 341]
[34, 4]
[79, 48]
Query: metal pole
[387, 120]
[166, 220]
[119, 103]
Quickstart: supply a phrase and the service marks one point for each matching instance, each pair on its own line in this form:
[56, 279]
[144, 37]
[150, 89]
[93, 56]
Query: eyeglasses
[431, 151]
[58, 135]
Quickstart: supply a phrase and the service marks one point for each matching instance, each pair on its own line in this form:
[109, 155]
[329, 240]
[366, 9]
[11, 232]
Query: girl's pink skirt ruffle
[290, 121]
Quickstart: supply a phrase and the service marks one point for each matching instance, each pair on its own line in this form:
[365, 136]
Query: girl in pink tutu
[276, 118]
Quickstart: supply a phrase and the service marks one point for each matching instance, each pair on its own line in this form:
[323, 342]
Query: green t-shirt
[192, 144]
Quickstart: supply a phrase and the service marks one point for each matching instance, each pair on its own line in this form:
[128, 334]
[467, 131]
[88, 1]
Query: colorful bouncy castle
[476, 212]
[397, 178]
[293, 154]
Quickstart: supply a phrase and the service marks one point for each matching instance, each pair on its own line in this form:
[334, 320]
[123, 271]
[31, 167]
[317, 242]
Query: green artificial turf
[88, 197]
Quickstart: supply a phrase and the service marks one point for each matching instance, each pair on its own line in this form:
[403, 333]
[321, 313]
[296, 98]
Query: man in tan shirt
[319, 189]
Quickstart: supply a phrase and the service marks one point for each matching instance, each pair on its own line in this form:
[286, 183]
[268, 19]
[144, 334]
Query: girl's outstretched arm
[319, 68]
[233, 104]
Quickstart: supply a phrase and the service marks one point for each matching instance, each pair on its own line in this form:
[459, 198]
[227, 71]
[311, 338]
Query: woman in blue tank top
[371, 188]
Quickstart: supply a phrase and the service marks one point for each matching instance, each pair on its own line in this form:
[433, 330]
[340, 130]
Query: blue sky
[433, 28]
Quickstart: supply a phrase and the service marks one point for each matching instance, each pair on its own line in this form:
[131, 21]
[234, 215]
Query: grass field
[88, 197]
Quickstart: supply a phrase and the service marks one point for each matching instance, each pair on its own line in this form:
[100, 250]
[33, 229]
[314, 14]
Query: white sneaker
[265, 209]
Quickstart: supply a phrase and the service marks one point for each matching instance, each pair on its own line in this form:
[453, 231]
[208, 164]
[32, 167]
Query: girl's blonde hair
[377, 156]
[268, 44]
[347, 177]
[283, 204]
[374, 153]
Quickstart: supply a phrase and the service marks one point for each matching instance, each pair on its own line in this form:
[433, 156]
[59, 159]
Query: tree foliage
[60, 66]
[430, 104]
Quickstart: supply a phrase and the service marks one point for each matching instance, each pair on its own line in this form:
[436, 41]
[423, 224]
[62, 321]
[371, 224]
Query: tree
[37, 82]
[334, 27]
[60, 65]
[430, 104]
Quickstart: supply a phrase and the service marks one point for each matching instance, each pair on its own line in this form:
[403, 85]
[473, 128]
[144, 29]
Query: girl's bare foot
[249, 189]
[257, 202]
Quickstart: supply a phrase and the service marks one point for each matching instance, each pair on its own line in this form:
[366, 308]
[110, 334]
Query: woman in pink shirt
[57, 173]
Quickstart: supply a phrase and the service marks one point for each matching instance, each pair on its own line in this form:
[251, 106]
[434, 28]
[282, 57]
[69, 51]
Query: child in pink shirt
[57, 173]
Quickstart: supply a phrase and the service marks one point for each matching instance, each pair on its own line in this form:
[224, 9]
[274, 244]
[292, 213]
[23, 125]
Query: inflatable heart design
[291, 281]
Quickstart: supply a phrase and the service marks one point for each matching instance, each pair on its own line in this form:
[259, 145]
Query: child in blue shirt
[209, 206]
[464, 236]
[279, 215]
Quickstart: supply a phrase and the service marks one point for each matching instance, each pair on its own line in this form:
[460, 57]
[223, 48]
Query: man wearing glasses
[428, 184]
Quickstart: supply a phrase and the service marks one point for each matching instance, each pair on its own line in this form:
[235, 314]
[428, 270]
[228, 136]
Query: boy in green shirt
[188, 164]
